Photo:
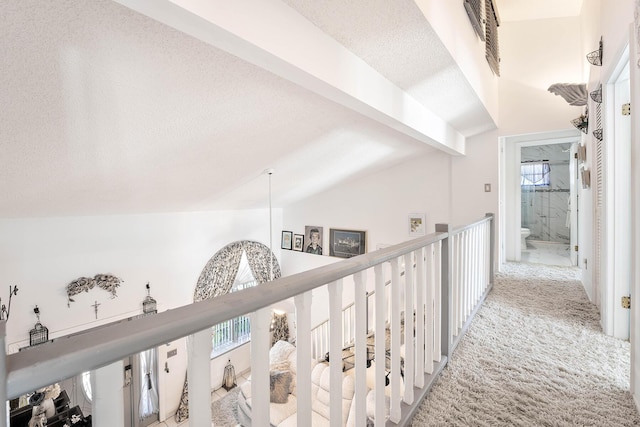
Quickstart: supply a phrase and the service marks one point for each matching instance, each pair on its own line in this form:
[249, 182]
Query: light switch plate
[487, 188]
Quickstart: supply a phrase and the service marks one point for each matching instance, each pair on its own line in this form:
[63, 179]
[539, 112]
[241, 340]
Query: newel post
[446, 273]
[492, 243]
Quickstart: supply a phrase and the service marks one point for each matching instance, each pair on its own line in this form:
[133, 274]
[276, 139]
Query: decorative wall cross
[95, 307]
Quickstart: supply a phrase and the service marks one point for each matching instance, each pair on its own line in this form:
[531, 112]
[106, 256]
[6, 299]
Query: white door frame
[635, 209]
[511, 197]
[617, 256]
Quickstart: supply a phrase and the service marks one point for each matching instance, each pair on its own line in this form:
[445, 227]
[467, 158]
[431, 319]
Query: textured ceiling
[106, 111]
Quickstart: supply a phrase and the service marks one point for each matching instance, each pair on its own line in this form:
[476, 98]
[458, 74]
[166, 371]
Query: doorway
[512, 199]
[545, 184]
[139, 390]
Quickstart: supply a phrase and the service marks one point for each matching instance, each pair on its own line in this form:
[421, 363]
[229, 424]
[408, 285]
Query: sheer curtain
[148, 384]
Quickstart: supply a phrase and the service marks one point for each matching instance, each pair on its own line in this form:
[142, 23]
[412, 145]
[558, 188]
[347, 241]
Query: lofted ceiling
[108, 111]
[525, 10]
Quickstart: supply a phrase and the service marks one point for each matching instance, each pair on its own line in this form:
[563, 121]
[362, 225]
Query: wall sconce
[595, 57]
[596, 95]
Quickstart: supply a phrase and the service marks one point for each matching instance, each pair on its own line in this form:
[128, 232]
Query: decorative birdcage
[149, 305]
[39, 334]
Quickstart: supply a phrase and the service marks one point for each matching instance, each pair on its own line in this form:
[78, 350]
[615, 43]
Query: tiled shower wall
[544, 211]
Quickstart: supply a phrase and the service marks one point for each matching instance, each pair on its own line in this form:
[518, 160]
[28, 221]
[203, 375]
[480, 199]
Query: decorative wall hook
[595, 57]
[596, 95]
[5, 310]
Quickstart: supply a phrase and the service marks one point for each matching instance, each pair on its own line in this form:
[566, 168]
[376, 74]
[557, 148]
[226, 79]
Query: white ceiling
[524, 10]
[107, 111]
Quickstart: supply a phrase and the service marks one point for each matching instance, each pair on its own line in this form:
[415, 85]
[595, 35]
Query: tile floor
[215, 395]
[549, 253]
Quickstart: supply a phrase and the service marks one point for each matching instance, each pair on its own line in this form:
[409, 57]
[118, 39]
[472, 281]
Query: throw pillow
[280, 382]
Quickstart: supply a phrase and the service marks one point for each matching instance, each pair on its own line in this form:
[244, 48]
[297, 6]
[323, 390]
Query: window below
[233, 333]
[535, 175]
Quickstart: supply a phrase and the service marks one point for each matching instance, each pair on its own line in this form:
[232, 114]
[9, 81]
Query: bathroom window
[535, 174]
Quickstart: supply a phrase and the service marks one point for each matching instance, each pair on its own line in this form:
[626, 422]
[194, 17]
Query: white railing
[451, 271]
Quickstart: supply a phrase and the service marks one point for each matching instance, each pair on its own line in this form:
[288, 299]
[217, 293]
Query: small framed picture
[347, 243]
[313, 235]
[287, 237]
[298, 242]
[416, 223]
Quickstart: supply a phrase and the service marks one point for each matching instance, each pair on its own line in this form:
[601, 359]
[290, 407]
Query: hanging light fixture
[270, 172]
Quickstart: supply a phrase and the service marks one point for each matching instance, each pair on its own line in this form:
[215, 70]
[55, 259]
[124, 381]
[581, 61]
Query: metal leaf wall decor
[574, 93]
[108, 282]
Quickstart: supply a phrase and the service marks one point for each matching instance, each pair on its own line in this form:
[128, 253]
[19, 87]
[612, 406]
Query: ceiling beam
[274, 37]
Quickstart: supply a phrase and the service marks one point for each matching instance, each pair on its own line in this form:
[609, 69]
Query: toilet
[524, 233]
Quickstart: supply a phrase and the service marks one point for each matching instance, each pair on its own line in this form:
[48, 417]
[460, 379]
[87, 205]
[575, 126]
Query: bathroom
[545, 203]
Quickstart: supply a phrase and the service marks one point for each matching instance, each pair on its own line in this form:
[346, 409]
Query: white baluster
[335, 352]
[108, 402]
[360, 300]
[437, 324]
[260, 342]
[303, 358]
[421, 283]
[394, 412]
[429, 356]
[380, 353]
[408, 328]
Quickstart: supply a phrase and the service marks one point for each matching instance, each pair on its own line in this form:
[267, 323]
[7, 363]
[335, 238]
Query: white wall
[42, 255]
[470, 173]
[534, 55]
[447, 189]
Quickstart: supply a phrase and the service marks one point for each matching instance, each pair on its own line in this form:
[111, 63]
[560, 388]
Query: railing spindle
[335, 352]
[409, 325]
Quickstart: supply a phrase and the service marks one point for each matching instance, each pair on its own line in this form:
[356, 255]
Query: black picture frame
[287, 240]
[347, 243]
[298, 242]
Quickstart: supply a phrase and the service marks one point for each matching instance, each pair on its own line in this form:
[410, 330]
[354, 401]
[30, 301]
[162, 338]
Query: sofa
[283, 367]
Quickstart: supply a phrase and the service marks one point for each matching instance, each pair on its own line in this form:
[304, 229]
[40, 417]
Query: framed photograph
[347, 243]
[313, 236]
[287, 237]
[416, 223]
[298, 242]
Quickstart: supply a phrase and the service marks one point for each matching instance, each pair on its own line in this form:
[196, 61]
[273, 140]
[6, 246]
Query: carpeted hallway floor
[534, 356]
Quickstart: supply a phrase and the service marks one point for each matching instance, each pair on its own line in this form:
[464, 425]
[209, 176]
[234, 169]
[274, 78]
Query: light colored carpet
[534, 356]
[224, 411]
